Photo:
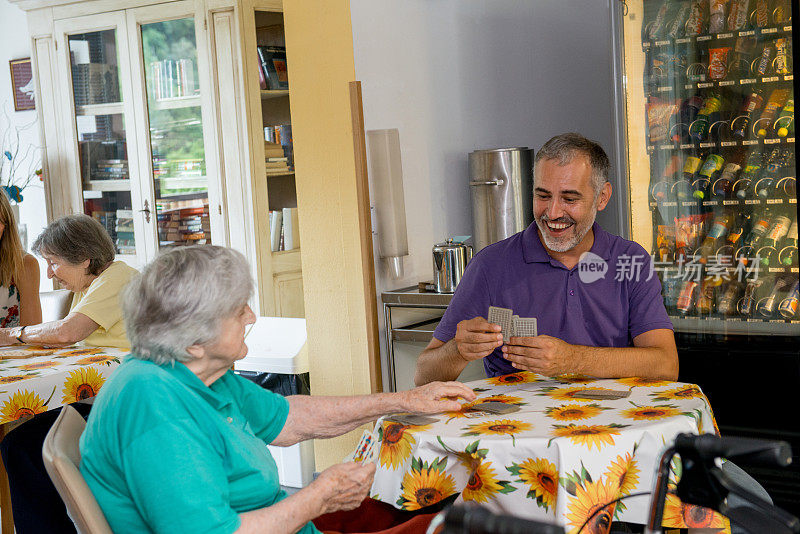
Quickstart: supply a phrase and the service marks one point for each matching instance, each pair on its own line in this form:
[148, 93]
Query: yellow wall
[319, 44]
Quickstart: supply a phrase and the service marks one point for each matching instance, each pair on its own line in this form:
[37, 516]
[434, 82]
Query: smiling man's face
[565, 203]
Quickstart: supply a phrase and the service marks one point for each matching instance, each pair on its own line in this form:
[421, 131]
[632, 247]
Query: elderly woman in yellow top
[80, 255]
[176, 442]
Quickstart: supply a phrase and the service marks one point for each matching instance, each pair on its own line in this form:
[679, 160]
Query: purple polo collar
[534, 252]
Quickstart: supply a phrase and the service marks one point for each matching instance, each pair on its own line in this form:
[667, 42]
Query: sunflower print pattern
[40, 378]
[541, 478]
[574, 412]
[589, 435]
[651, 413]
[590, 506]
[81, 384]
[82, 351]
[483, 484]
[38, 365]
[646, 382]
[499, 427]
[681, 515]
[425, 484]
[99, 358]
[568, 394]
[568, 455]
[523, 377]
[22, 405]
[397, 442]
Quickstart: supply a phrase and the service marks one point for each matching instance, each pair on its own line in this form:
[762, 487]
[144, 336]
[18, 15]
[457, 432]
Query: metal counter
[422, 331]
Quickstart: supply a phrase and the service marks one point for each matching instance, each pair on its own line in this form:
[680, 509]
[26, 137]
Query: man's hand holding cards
[476, 338]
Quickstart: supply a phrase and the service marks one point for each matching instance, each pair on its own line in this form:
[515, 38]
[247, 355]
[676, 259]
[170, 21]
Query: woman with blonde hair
[19, 275]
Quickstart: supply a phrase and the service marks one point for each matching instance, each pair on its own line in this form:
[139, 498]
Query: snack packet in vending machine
[659, 113]
[717, 10]
[698, 21]
[665, 242]
[688, 231]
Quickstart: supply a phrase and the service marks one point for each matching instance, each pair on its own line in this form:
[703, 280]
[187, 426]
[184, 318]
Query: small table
[557, 459]
[45, 379]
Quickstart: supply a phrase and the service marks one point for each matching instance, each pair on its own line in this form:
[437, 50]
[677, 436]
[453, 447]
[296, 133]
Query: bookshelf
[279, 177]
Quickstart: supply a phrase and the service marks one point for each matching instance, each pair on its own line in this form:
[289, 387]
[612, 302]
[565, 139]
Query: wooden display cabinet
[148, 126]
[331, 282]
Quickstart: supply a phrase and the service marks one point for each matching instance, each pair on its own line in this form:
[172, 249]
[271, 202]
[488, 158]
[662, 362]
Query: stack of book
[109, 221]
[284, 229]
[278, 148]
[160, 167]
[172, 78]
[188, 168]
[125, 241]
[184, 226]
[110, 169]
[276, 160]
[94, 83]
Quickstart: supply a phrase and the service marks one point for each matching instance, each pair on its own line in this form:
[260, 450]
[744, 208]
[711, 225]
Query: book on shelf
[291, 229]
[262, 80]
[275, 224]
[284, 229]
[273, 65]
[172, 78]
[273, 150]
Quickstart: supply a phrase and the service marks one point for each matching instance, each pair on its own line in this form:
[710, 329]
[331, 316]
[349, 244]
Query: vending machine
[708, 140]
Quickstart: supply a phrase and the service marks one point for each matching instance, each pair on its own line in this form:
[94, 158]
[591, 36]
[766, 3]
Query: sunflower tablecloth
[558, 459]
[51, 377]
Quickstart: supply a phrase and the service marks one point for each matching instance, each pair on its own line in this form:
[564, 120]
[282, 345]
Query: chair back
[62, 459]
[55, 304]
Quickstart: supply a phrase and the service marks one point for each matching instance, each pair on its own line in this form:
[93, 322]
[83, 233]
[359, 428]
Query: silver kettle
[449, 261]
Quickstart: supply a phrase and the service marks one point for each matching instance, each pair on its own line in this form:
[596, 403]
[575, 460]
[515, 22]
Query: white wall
[15, 43]
[458, 75]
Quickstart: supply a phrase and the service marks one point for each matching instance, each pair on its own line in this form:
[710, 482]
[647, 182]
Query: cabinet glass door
[176, 147]
[102, 141]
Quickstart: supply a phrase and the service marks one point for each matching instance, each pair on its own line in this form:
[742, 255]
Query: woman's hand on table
[435, 397]
[344, 486]
[7, 337]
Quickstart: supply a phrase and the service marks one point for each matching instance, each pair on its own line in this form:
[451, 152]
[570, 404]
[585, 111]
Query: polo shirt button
[572, 292]
[230, 419]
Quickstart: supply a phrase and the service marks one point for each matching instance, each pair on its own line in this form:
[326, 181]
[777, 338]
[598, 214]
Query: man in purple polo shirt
[596, 300]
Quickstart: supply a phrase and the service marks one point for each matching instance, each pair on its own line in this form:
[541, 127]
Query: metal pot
[449, 261]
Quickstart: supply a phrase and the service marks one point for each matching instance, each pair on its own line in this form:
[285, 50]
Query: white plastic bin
[278, 345]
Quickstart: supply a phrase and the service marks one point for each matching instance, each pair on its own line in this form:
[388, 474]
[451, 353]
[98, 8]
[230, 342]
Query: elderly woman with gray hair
[80, 256]
[176, 442]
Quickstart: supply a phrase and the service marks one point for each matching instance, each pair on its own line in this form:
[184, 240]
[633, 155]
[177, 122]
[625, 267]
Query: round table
[557, 459]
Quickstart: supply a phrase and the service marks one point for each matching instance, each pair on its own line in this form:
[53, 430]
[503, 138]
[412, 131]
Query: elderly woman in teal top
[178, 443]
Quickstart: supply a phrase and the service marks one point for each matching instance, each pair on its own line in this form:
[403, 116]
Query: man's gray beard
[560, 246]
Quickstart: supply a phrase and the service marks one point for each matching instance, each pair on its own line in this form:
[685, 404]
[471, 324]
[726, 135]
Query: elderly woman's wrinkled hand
[436, 397]
[344, 486]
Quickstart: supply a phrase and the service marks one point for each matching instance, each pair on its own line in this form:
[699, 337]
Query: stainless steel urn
[449, 261]
[501, 186]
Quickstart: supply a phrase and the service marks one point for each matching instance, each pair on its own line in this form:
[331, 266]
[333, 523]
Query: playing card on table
[524, 326]
[411, 419]
[502, 317]
[601, 394]
[495, 407]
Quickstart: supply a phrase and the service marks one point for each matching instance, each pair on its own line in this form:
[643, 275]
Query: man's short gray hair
[77, 238]
[181, 298]
[565, 147]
